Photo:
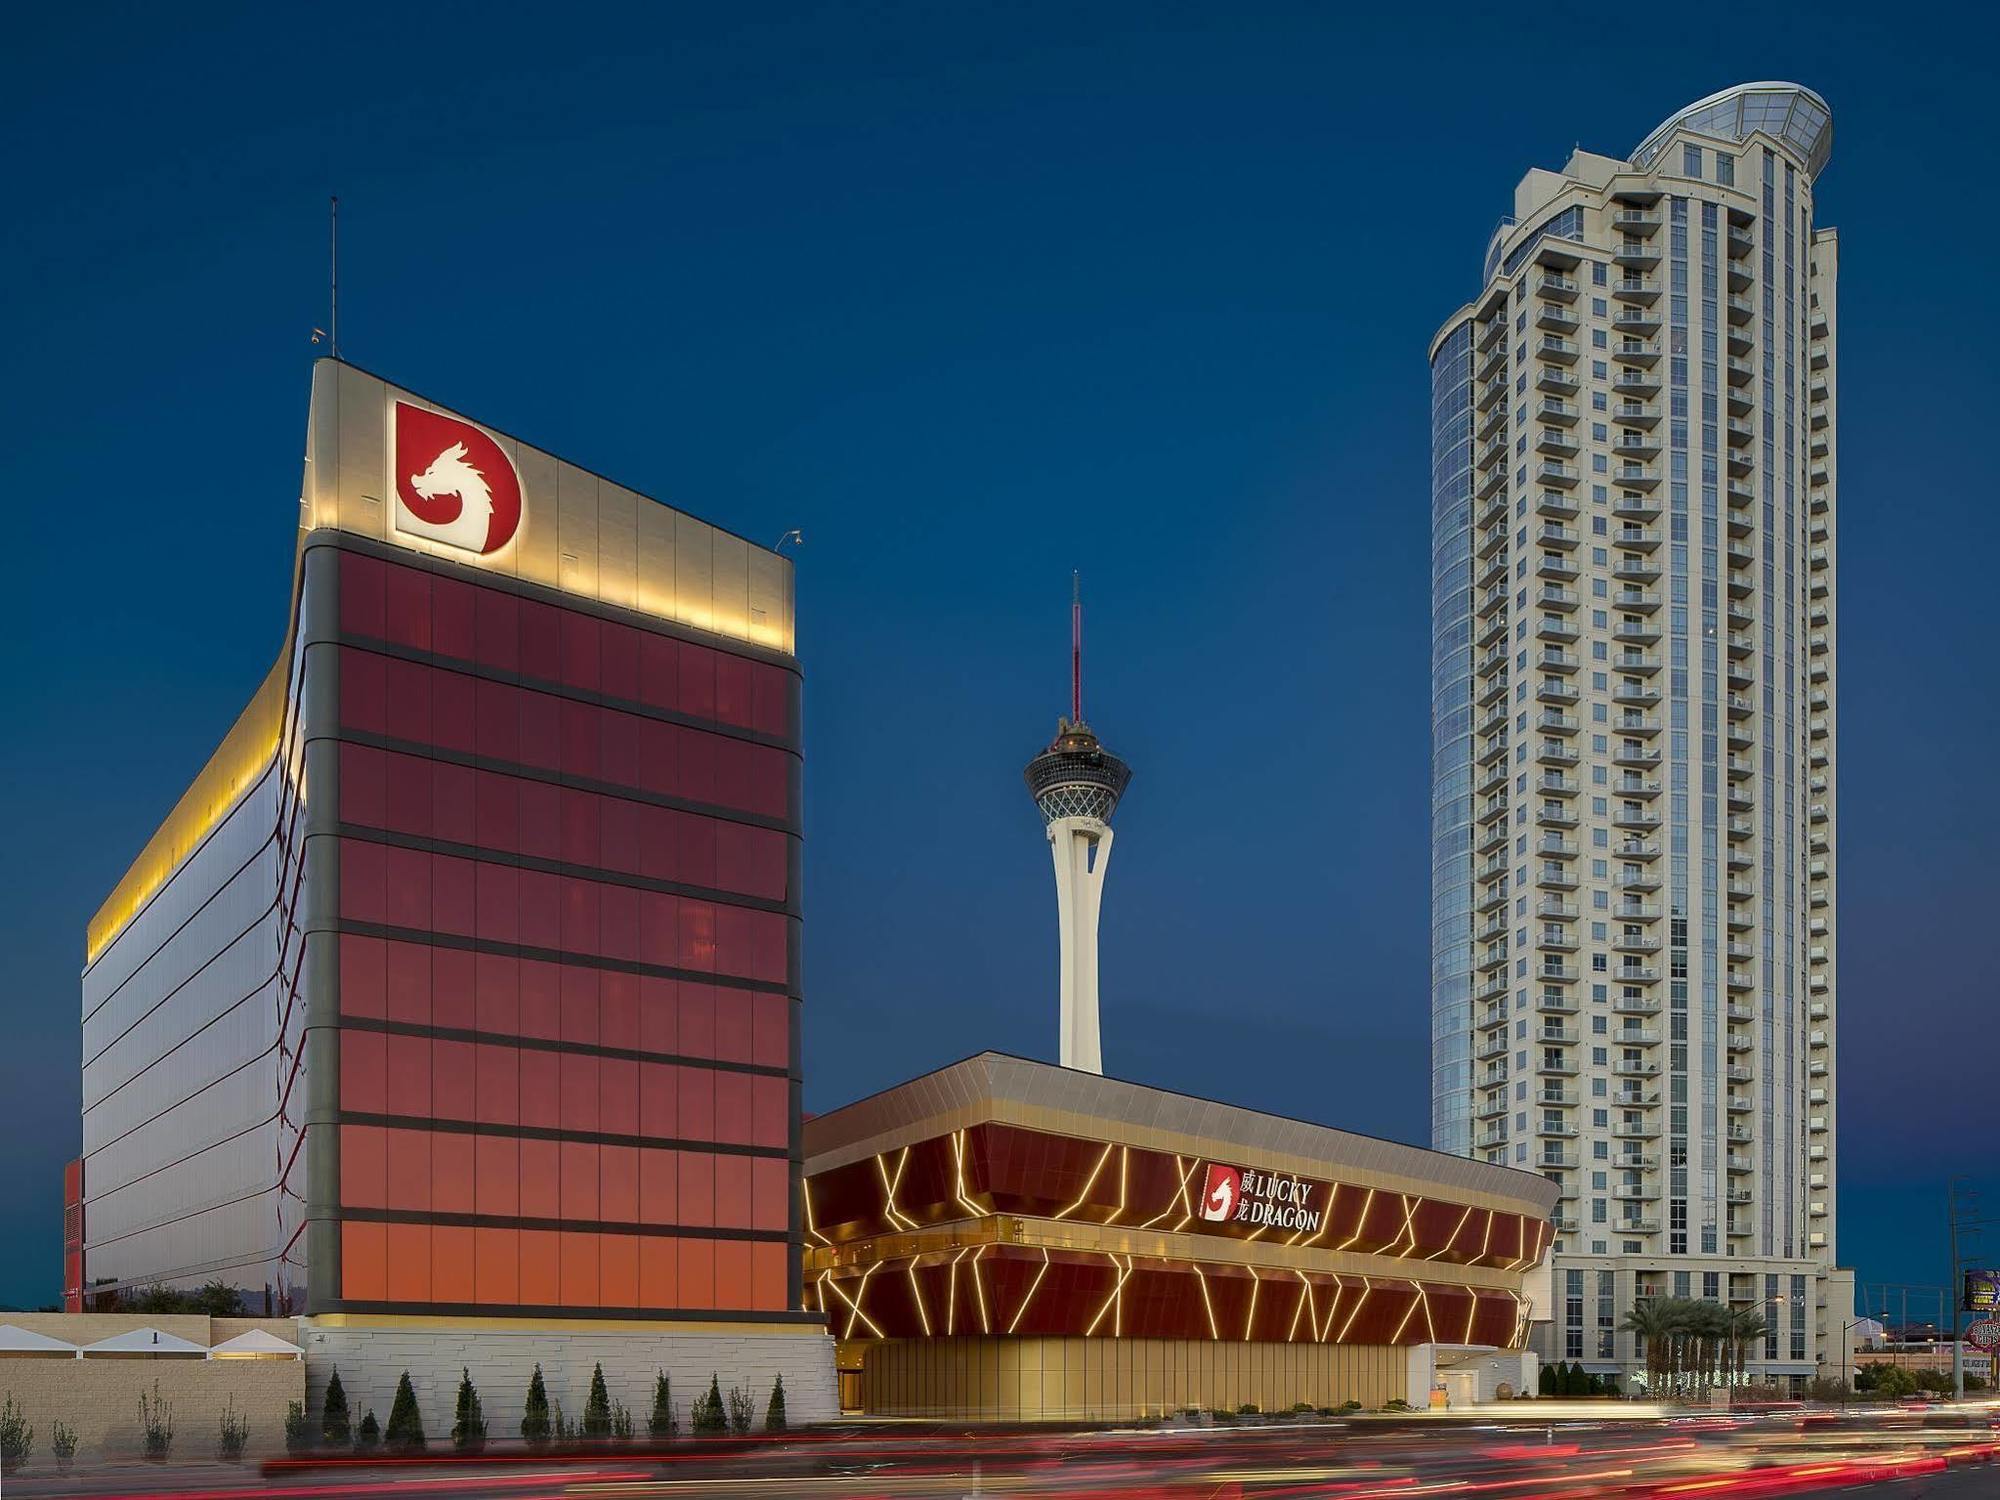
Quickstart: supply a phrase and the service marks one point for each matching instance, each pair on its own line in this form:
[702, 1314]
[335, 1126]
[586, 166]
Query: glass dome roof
[1789, 111]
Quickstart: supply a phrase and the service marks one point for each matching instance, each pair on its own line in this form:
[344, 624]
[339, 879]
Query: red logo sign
[453, 483]
[1221, 1193]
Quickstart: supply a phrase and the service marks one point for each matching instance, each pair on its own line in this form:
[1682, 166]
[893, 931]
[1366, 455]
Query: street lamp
[1847, 1353]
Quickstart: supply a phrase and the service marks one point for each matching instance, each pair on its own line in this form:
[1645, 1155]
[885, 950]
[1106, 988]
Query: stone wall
[502, 1355]
[99, 1397]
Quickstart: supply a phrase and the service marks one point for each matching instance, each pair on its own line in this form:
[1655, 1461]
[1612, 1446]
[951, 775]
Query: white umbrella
[23, 1343]
[256, 1344]
[145, 1343]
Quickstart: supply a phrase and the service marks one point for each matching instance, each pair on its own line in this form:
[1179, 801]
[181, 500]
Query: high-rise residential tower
[1633, 810]
[1076, 783]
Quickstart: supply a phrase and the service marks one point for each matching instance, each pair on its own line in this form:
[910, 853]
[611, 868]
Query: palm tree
[1711, 1322]
[1651, 1320]
[1746, 1327]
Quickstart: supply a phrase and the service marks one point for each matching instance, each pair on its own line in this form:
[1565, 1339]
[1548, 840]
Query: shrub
[1397, 1404]
[742, 1410]
[597, 1406]
[1247, 1409]
[708, 1417]
[298, 1437]
[334, 1430]
[62, 1443]
[156, 1422]
[621, 1422]
[535, 1415]
[234, 1434]
[1350, 1405]
[774, 1410]
[1545, 1383]
[565, 1428]
[468, 1426]
[661, 1423]
[1299, 1408]
[17, 1438]
[405, 1433]
[368, 1436]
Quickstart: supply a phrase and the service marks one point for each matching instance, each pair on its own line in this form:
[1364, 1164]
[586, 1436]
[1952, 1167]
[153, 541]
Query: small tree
[1545, 1382]
[406, 1424]
[234, 1434]
[334, 1428]
[368, 1436]
[660, 1424]
[156, 1424]
[468, 1427]
[621, 1422]
[742, 1410]
[17, 1438]
[597, 1406]
[298, 1436]
[535, 1415]
[774, 1412]
[62, 1443]
[708, 1417]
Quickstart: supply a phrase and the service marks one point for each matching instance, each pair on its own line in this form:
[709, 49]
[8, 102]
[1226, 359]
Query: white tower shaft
[1081, 848]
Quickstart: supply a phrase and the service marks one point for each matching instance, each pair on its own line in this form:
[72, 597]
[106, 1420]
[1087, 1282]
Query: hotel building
[1633, 812]
[459, 993]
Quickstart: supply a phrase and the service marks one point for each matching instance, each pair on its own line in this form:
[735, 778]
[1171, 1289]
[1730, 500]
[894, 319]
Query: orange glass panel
[497, 1265]
[580, 1279]
[732, 1274]
[659, 1271]
[770, 1194]
[618, 1185]
[541, 1195]
[363, 1162]
[452, 1176]
[541, 1268]
[697, 1188]
[579, 1181]
[697, 1273]
[363, 1259]
[409, 1252]
[452, 1250]
[409, 1170]
[769, 1278]
[658, 1187]
[497, 1171]
[618, 1261]
[733, 1176]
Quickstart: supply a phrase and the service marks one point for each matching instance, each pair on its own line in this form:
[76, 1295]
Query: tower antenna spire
[1075, 647]
[333, 274]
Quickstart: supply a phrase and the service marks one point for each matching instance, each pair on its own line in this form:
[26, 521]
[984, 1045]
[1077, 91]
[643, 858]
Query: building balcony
[1741, 310]
[1635, 319]
[1636, 632]
[1636, 755]
[1557, 692]
[1740, 1104]
[1554, 409]
[1628, 1068]
[1492, 1108]
[1633, 786]
[1554, 752]
[1556, 910]
[1563, 476]
[1635, 538]
[1555, 878]
[1635, 724]
[1636, 254]
[1635, 942]
[1561, 537]
[1555, 380]
[1636, 1005]
[1739, 1165]
[1740, 400]
[1560, 628]
[1636, 601]
[1489, 392]
[1557, 599]
[1555, 815]
[1552, 565]
[1636, 414]
[1636, 352]
[1630, 569]
[1556, 1066]
[1635, 1192]
[1553, 784]
[1740, 371]
[1551, 847]
[1640, 445]
[1635, 289]
[1636, 382]
[1554, 316]
[1551, 1096]
[1487, 1139]
[1636, 222]
[1495, 1046]
[1820, 357]
[1636, 880]
[1740, 339]
[1559, 350]
[1554, 659]
[1556, 1130]
[1557, 287]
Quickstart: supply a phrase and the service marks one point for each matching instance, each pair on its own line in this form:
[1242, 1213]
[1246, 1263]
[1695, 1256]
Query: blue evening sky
[973, 294]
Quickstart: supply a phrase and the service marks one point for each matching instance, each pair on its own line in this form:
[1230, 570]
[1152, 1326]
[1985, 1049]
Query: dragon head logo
[454, 484]
[1221, 1193]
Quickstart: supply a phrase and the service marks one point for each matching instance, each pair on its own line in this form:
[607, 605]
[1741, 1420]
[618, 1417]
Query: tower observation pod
[1076, 783]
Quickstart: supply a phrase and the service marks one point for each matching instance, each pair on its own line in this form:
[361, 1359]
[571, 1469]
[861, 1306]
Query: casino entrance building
[1007, 1240]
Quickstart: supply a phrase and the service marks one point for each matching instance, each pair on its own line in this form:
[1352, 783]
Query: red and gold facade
[1047, 1209]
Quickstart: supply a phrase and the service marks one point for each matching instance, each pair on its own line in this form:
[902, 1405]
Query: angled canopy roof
[146, 1341]
[1790, 111]
[256, 1344]
[15, 1340]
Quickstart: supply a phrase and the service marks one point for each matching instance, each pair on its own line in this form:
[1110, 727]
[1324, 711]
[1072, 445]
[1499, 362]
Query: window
[1691, 161]
[1725, 169]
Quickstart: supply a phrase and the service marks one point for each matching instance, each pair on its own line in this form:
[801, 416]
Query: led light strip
[958, 1180]
[1359, 1224]
[1367, 1287]
[1207, 1306]
[1454, 1235]
[1085, 1194]
[1033, 1286]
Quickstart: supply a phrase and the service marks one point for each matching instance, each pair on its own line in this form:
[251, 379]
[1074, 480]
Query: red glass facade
[567, 939]
[979, 1232]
